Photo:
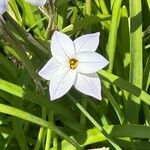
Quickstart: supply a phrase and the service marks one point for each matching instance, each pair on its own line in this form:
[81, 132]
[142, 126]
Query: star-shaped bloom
[74, 63]
[3, 4]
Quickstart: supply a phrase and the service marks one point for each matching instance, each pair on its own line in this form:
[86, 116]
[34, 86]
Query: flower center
[73, 63]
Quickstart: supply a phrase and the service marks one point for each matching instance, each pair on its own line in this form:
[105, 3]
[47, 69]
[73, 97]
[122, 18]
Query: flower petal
[62, 46]
[37, 2]
[3, 6]
[47, 72]
[87, 43]
[90, 62]
[89, 84]
[61, 82]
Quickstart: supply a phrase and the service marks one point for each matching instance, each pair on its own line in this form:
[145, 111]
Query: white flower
[3, 6]
[74, 63]
[4, 3]
[37, 2]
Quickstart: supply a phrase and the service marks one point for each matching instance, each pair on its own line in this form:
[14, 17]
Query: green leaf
[117, 131]
[136, 52]
[35, 98]
[125, 85]
[31, 118]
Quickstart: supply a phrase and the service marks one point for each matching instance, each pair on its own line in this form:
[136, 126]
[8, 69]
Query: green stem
[40, 138]
[94, 123]
[41, 132]
[49, 132]
[83, 117]
[103, 6]
[48, 139]
[74, 16]
[21, 52]
[88, 7]
[113, 103]
[32, 44]
[145, 87]
[55, 142]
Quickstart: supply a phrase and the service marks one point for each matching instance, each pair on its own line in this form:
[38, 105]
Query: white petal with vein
[89, 84]
[61, 82]
[62, 47]
[48, 71]
[87, 43]
[90, 62]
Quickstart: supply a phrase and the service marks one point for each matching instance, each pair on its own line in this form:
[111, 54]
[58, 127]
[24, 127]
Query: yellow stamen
[73, 63]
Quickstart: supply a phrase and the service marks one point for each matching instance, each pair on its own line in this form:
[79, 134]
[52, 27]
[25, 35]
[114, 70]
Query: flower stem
[49, 132]
[103, 6]
[40, 138]
[88, 7]
[83, 117]
[95, 123]
[48, 139]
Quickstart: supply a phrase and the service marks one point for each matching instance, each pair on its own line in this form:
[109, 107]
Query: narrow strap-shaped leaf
[113, 103]
[19, 133]
[95, 123]
[39, 121]
[35, 98]
[125, 85]
[117, 131]
[113, 33]
[136, 65]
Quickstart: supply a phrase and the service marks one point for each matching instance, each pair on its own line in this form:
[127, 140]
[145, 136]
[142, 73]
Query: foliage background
[29, 120]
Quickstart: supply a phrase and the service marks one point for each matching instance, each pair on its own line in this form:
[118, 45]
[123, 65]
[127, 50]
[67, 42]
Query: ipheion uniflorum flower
[74, 63]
